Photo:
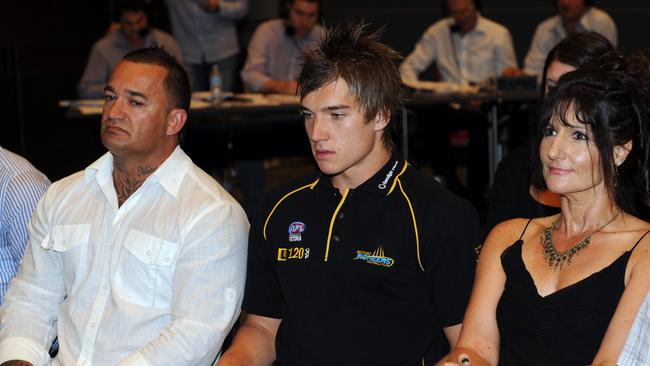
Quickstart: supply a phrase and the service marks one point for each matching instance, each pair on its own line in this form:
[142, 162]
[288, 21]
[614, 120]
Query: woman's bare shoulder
[508, 232]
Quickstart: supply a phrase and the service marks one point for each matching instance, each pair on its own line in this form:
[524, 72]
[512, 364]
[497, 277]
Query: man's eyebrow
[134, 93]
[335, 107]
[109, 88]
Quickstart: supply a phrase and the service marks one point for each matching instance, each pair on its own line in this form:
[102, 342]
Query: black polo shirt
[367, 277]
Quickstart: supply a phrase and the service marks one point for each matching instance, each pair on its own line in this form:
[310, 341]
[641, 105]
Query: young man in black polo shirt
[369, 262]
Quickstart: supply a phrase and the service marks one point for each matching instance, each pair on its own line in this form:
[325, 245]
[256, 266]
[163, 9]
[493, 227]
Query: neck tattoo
[126, 185]
[556, 259]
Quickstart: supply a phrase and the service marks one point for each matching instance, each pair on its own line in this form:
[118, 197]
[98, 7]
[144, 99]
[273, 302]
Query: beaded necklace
[556, 259]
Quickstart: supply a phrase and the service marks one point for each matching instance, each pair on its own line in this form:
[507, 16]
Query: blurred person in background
[131, 32]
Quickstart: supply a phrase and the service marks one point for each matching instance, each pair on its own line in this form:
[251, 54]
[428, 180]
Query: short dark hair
[309, 1]
[176, 83]
[121, 6]
[576, 50]
[370, 68]
[444, 6]
[588, 3]
[611, 97]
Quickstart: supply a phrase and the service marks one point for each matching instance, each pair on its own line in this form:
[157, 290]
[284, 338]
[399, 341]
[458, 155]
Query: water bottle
[216, 82]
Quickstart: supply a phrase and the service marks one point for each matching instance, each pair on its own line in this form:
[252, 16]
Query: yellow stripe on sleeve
[310, 186]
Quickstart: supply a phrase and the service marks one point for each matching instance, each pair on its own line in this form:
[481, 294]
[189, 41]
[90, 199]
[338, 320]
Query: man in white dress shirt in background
[140, 258]
[467, 49]
[273, 61]
[572, 16]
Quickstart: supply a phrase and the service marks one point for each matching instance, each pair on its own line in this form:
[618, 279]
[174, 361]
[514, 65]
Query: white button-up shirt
[482, 53]
[274, 55]
[551, 31]
[157, 281]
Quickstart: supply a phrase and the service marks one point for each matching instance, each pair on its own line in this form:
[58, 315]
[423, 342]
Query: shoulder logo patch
[377, 257]
[295, 231]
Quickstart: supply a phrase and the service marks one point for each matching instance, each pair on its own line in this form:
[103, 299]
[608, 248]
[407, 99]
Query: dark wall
[44, 46]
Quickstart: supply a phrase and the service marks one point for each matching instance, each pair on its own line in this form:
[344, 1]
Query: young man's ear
[176, 119]
[381, 120]
[621, 152]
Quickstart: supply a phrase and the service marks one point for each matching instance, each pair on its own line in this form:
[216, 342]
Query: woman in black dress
[564, 289]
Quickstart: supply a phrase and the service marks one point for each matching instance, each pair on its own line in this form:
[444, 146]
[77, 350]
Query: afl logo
[295, 231]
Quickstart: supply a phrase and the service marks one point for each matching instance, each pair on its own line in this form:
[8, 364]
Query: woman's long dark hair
[611, 96]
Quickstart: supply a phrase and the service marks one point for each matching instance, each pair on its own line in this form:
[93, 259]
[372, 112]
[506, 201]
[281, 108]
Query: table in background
[258, 111]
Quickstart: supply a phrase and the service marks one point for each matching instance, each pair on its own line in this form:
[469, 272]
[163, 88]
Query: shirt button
[341, 216]
[167, 259]
[105, 286]
[148, 253]
[336, 238]
[92, 324]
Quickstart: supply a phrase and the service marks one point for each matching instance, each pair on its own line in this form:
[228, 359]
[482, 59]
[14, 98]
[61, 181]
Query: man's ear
[176, 119]
[621, 152]
[381, 120]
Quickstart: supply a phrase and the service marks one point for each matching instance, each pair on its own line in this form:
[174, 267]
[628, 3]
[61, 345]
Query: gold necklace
[556, 259]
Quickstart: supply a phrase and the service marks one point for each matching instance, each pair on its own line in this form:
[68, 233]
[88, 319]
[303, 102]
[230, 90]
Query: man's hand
[16, 363]
[211, 6]
[512, 71]
[280, 87]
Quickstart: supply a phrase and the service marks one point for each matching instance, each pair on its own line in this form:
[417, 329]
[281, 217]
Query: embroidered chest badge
[377, 257]
[295, 231]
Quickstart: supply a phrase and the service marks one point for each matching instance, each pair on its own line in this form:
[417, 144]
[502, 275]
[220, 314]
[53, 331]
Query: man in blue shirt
[207, 33]
[21, 186]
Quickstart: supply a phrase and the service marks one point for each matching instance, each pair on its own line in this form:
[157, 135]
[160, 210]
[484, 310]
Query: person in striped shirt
[21, 187]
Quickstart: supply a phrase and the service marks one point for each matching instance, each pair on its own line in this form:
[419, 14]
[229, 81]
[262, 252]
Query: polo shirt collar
[381, 183]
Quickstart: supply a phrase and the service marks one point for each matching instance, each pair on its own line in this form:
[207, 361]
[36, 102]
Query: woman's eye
[306, 115]
[548, 131]
[580, 136]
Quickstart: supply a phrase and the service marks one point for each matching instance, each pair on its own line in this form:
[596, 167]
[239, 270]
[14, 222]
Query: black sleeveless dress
[563, 328]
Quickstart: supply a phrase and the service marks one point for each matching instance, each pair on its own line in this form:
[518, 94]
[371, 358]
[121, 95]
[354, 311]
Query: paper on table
[85, 106]
[442, 87]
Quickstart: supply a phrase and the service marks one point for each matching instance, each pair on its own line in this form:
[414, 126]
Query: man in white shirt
[572, 16]
[140, 258]
[466, 47]
[273, 61]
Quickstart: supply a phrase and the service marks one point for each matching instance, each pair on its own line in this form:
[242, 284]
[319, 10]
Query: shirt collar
[169, 174]
[480, 24]
[584, 23]
[122, 42]
[382, 183]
